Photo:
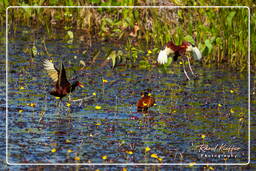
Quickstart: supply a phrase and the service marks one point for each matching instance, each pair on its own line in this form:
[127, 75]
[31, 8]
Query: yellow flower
[231, 91]
[129, 152]
[220, 105]
[69, 150]
[68, 141]
[22, 88]
[192, 164]
[97, 107]
[57, 98]
[241, 119]
[51, 60]
[53, 150]
[94, 94]
[104, 81]
[124, 169]
[232, 111]
[203, 136]
[160, 159]
[211, 168]
[147, 149]
[149, 94]
[154, 156]
[149, 51]
[68, 104]
[20, 111]
[181, 63]
[77, 158]
[104, 157]
[98, 124]
[31, 104]
[131, 131]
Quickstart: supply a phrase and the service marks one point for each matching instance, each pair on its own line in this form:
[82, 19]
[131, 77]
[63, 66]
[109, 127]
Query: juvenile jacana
[62, 85]
[146, 101]
[180, 50]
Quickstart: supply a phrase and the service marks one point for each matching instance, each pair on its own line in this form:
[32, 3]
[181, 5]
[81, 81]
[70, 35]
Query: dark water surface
[208, 112]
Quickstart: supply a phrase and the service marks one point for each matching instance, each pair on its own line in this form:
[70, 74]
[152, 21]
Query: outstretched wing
[62, 76]
[162, 57]
[196, 53]
[52, 71]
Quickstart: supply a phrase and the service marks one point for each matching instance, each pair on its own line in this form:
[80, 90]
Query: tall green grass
[221, 34]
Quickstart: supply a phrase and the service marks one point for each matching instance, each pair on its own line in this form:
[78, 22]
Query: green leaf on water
[34, 50]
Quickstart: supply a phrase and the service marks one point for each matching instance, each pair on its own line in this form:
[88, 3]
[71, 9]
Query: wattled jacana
[180, 50]
[62, 85]
[146, 101]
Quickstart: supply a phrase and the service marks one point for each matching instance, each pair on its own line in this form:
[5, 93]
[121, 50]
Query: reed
[221, 34]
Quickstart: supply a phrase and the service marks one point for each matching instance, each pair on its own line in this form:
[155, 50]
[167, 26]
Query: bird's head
[77, 83]
[192, 48]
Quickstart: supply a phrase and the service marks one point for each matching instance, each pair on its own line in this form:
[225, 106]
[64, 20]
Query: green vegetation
[220, 33]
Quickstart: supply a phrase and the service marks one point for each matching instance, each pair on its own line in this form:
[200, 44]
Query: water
[214, 106]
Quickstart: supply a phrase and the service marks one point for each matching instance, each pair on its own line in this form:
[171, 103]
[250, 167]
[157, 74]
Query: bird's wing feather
[162, 57]
[196, 53]
[52, 71]
[62, 77]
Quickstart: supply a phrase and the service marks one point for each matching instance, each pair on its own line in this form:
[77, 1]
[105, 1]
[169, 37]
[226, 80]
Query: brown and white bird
[179, 50]
[62, 85]
[146, 101]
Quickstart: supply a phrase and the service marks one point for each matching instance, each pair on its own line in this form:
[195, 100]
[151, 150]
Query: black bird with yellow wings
[62, 85]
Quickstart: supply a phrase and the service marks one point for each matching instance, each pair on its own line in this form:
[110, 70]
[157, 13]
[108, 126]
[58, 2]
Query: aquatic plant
[220, 33]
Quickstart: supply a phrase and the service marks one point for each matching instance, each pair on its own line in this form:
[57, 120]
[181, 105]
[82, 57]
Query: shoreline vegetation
[220, 33]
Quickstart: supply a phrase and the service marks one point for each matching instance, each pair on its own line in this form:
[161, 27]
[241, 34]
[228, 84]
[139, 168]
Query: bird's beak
[189, 48]
[81, 85]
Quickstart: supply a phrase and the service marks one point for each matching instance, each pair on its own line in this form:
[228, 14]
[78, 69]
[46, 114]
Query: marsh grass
[221, 34]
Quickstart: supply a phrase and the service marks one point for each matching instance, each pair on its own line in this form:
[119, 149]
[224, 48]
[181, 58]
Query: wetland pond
[203, 120]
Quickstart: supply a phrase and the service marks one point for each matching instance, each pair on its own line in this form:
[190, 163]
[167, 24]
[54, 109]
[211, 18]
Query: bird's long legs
[190, 66]
[184, 70]
[82, 99]
[59, 103]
